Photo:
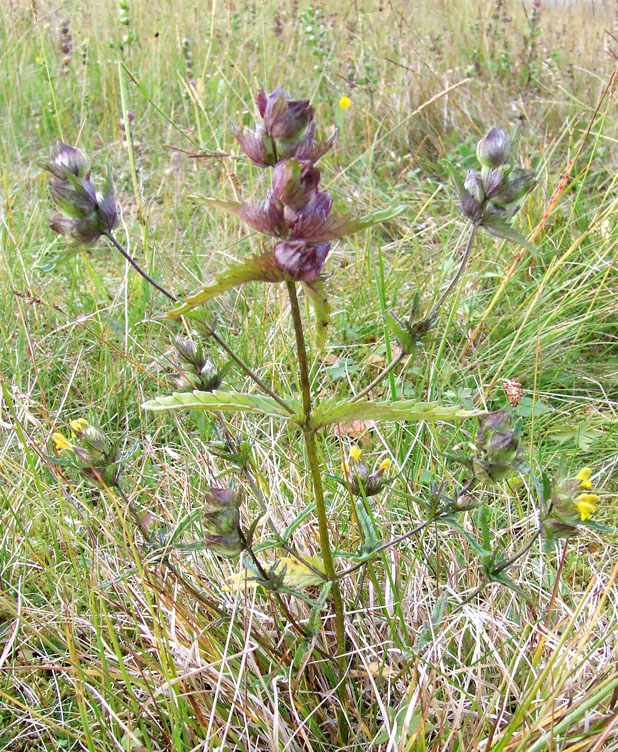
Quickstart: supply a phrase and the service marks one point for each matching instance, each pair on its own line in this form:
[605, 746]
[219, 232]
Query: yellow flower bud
[583, 476]
[78, 426]
[344, 103]
[355, 453]
[61, 442]
[586, 504]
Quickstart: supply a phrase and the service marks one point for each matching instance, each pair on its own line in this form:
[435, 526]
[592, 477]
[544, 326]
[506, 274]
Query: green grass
[101, 646]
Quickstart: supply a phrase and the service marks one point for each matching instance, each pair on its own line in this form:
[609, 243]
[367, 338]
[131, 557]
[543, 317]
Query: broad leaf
[257, 216]
[347, 412]
[316, 293]
[234, 402]
[336, 226]
[502, 229]
[257, 268]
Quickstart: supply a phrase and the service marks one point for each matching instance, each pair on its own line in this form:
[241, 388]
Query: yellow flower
[61, 442]
[79, 426]
[37, 60]
[344, 103]
[355, 453]
[384, 465]
[583, 476]
[586, 504]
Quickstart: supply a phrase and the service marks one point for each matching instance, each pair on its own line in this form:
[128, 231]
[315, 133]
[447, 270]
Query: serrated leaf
[338, 225]
[316, 292]
[234, 402]
[347, 412]
[295, 574]
[256, 216]
[257, 268]
[502, 229]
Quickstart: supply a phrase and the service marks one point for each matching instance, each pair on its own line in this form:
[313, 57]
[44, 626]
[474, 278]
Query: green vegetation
[476, 618]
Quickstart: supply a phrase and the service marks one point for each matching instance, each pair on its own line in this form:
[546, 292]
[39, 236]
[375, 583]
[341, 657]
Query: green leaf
[529, 407]
[502, 229]
[316, 292]
[347, 412]
[257, 268]
[338, 225]
[582, 435]
[432, 626]
[233, 402]
[369, 533]
[313, 623]
[299, 519]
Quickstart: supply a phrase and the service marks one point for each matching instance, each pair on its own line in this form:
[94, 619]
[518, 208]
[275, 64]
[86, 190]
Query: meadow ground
[113, 640]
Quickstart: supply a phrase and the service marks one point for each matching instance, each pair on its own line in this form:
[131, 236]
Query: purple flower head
[266, 217]
[284, 118]
[86, 213]
[310, 220]
[307, 149]
[495, 149]
[295, 183]
[301, 261]
[65, 159]
[257, 145]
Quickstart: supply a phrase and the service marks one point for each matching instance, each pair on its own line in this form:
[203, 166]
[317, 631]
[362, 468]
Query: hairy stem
[138, 268]
[316, 475]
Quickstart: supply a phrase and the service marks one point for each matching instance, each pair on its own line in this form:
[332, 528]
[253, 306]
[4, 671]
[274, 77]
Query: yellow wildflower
[78, 426]
[355, 453]
[61, 442]
[384, 465]
[586, 504]
[344, 103]
[583, 476]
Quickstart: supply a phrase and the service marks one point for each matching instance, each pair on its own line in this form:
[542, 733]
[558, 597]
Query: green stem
[314, 465]
[138, 268]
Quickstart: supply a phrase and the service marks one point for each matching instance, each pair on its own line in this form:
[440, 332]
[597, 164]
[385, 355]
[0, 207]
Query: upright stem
[314, 465]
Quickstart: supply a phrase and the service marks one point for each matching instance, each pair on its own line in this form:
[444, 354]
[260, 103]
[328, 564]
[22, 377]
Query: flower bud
[76, 198]
[222, 521]
[360, 478]
[495, 149]
[474, 186]
[498, 453]
[257, 145]
[95, 456]
[64, 158]
[517, 185]
[301, 261]
[284, 119]
[295, 183]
